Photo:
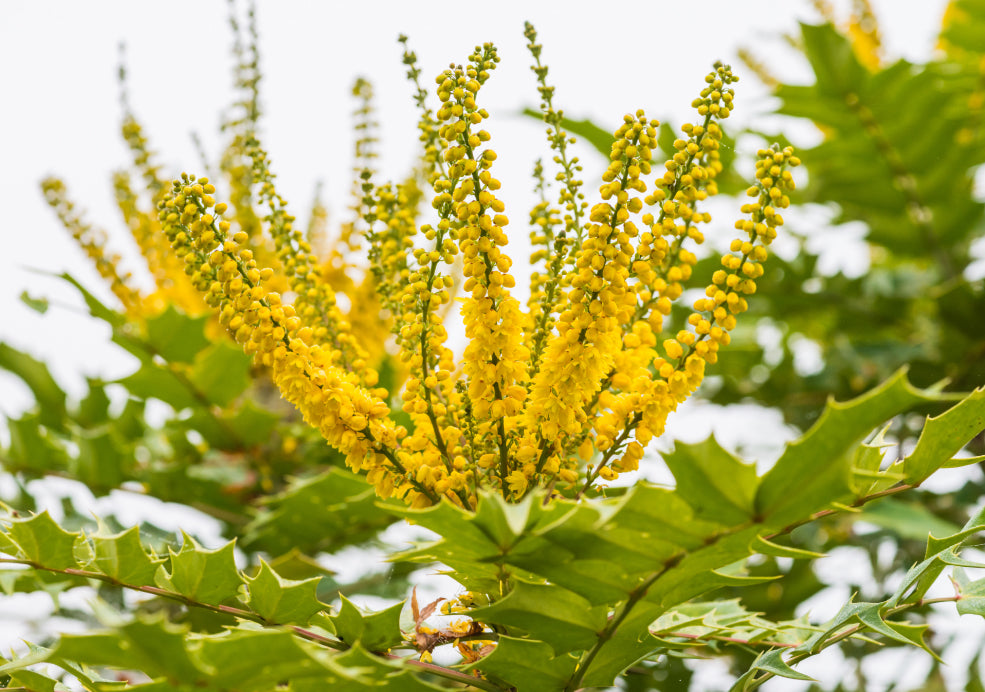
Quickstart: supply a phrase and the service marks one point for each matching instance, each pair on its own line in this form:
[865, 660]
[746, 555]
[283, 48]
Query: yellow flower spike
[167, 270]
[494, 358]
[315, 300]
[93, 243]
[580, 356]
[348, 416]
[558, 248]
[712, 321]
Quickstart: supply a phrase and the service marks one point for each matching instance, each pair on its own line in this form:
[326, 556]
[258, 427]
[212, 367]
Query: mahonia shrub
[286, 357]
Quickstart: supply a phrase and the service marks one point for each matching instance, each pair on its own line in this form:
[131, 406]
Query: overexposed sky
[60, 112]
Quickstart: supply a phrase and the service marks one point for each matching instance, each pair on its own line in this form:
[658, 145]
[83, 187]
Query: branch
[244, 614]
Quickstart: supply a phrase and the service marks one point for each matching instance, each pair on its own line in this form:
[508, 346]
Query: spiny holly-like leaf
[7, 545]
[375, 631]
[943, 436]
[122, 557]
[871, 616]
[816, 469]
[96, 308]
[248, 425]
[765, 547]
[527, 664]
[101, 460]
[714, 483]
[869, 150]
[919, 578]
[972, 593]
[377, 673]
[772, 662]
[209, 576]
[282, 600]
[153, 381]
[44, 542]
[31, 448]
[556, 616]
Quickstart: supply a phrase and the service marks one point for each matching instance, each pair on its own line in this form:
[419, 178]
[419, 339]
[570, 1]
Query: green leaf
[599, 138]
[945, 435]
[906, 519]
[321, 513]
[100, 463]
[772, 662]
[96, 308]
[714, 483]
[281, 600]
[252, 424]
[377, 673]
[257, 660]
[40, 305]
[208, 576]
[35, 374]
[152, 646]
[152, 381]
[31, 447]
[375, 631]
[556, 616]
[93, 410]
[176, 337]
[765, 547]
[871, 616]
[221, 372]
[44, 542]
[527, 664]
[816, 469]
[122, 557]
[972, 594]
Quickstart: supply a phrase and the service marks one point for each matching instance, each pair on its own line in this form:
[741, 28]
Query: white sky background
[60, 114]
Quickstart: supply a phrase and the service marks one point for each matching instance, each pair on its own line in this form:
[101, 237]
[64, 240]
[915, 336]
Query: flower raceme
[564, 392]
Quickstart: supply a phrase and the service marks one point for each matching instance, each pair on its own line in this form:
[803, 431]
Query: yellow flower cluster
[660, 269]
[562, 393]
[682, 368]
[173, 287]
[495, 356]
[351, 418]
[599, 300]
